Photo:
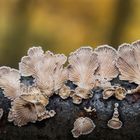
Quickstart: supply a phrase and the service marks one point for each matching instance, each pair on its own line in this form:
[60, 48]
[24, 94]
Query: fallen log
[59, 127]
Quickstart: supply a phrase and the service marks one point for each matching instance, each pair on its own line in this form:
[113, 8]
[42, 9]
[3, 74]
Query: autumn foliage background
[64, 25]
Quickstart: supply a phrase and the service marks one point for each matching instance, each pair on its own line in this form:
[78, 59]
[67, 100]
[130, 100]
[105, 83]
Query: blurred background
[64, 25]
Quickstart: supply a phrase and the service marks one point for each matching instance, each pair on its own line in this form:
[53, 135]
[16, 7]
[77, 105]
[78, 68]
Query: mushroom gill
[46, 68]
[128, 63]
[107, 69]
[82, 66]
[10, 82]
[22, 112]
[82, 126]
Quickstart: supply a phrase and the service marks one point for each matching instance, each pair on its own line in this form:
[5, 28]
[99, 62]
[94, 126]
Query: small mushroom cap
[120, 93]
[1, 113]
[22, 112]
[76, 99]
[64, 92]
[108, 93]
[10, 82]
[52, 113]
[114, 123]
[83, 93]
[82, 126]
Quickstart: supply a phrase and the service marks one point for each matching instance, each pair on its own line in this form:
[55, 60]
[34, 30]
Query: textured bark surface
[60, 126]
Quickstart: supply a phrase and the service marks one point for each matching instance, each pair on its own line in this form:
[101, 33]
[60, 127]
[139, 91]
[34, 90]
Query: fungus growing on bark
[128, 63]
[107, 69]
[82, 66]
[82, 126]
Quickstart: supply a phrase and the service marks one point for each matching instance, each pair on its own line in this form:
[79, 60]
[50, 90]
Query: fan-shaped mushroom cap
[83, 93]
[22, 112]
[120, 93]
[108, 93]
[10, 82]
[76, 99]
[82, 126]
[117, 91]
[82, 66]
[1, 113]
[107, 69]
[114, 123]
[64, 92]
[128, 62]
[45, 68]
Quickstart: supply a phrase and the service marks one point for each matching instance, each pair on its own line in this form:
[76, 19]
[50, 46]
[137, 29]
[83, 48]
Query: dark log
[60, 126]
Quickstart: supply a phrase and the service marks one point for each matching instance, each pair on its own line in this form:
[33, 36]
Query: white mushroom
[82, 126]
[10, 82]
[46, 68]
[82, 66]
[107, 69]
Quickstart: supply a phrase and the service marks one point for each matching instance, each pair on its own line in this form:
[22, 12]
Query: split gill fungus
[87, 72]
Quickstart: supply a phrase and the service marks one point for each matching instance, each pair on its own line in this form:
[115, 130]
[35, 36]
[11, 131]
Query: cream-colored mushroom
[89, 109]
[114, 122]
[117, 91]
[46, 68]
[82, 126]
[22, 112]
[120, 93]
[76, 99]
[108, 92]
[82, 66]
[107, 69]
[10, 82]
[128, 62]
[83, 93]
[64, 92]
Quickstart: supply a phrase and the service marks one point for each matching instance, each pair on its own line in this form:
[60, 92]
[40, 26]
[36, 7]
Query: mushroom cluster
[87, 69]
[27, 102]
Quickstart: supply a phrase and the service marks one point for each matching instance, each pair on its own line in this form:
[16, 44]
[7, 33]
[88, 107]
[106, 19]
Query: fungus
[28, 102]
[64, 92]
[82, 126]
[46, 68]
[128, 62]
[10, 82]
[115, 123]
[117, 91]
[89, 109]
[82, 66]
[22, 112]
[108, 92]
[107, 69]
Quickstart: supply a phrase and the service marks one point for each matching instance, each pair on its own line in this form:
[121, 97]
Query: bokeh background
[64, 25]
